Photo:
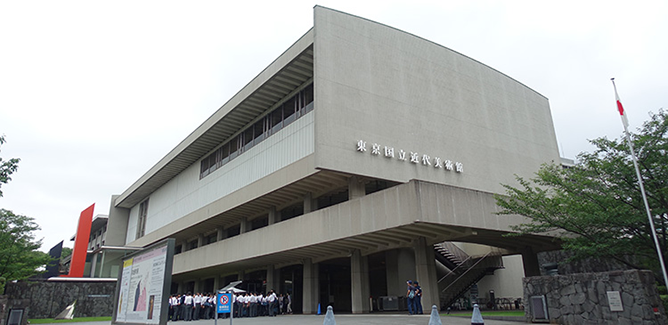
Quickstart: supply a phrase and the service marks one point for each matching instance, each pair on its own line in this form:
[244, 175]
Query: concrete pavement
[342, 319]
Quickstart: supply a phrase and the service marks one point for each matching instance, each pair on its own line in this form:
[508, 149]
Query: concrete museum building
[362, 157]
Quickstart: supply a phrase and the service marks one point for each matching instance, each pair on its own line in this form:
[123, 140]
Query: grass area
[75, 320]
[488, 313]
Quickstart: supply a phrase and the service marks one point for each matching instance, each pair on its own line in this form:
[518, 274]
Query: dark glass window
[276, 120]
[248, 138]
[234, 150]
[289, 111]
[259, 131]
[225, 153]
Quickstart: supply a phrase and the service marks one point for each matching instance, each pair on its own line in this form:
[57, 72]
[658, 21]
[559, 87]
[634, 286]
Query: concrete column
[243, 226]
[425, 269]
[93, 266]
[308, 203]
[200, 240]
[359, 286]
[355, 187]
[184, 246]
[311, 288]
[216, 283]
[222, 234]
[272, 279]
[530, 261]
[400, 267]
[198, 286]
[273, 216]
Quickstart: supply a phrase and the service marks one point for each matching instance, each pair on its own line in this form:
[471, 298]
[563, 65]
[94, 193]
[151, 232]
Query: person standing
[189, 307]
[410, 298]
[418, 298]
[271, 302]
[197, 302]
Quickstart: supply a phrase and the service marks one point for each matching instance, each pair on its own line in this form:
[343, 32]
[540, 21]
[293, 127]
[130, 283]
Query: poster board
[144, 281]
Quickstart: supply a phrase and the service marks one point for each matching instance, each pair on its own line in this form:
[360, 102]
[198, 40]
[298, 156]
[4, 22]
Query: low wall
[583, 298]
[49, 298]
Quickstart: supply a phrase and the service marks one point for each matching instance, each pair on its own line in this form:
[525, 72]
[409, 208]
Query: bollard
[476, 318]
[434, 318]
[329, 317]
[318, 312]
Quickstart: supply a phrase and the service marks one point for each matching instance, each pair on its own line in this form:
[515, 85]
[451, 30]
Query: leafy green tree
[596, 207]
[19, 255]
[7, 167]
[66, 252]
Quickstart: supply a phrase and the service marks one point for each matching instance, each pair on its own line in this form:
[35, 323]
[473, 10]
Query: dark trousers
[410, 302]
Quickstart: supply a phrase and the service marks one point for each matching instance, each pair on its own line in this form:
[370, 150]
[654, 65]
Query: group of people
[414, 298]
[189, 307]
[256, 304]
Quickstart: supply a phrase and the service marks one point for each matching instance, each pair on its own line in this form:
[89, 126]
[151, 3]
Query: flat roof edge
[265, 75]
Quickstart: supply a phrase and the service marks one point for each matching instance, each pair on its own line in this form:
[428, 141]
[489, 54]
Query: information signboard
[143, 285]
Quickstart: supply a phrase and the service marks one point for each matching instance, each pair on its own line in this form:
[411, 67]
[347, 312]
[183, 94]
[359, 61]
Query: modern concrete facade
[334, 172]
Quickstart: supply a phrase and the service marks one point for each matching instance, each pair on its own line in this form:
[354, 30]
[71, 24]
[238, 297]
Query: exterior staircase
[464, 270]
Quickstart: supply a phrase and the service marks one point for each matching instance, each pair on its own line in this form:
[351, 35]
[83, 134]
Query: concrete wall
[506, 282]
[381, 85]
[186, 192]
[50, 297]
[583, 298]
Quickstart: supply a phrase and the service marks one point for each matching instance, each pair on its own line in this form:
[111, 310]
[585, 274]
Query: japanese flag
[620, 108]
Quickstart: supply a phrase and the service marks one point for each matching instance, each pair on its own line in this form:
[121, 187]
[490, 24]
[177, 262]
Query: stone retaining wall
[48, 298]
[583, 298]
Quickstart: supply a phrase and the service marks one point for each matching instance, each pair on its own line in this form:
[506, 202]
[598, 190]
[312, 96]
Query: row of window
[292, 109]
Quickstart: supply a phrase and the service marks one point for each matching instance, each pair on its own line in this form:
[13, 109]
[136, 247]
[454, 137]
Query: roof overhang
[286, 75]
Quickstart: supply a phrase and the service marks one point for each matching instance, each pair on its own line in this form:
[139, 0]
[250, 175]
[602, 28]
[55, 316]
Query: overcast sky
[93, 94]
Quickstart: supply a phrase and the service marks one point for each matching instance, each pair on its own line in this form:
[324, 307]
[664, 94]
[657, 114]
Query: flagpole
[642, 187]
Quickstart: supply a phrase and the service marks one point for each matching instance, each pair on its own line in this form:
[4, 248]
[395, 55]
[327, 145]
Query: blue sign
[224, 303]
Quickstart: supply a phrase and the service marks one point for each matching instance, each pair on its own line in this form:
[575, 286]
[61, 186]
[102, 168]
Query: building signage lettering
[414, 157]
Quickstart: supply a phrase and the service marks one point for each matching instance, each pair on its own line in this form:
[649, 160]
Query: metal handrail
[469, 269]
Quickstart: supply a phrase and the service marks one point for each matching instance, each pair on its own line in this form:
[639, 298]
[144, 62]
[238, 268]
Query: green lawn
[75, 320]
[488, 313]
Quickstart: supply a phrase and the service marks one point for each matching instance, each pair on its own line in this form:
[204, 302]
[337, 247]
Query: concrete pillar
[184, 246]
[200, 240]
[273, 216]
[311, 288]
[198, 286]
[308, 203]
[425, 269]
[222, 234]
[93, 266]
[355, 187]
[530, 261]
[359, 286]
[216, 283]
[400, 267]
[272, 279]
[243, 226]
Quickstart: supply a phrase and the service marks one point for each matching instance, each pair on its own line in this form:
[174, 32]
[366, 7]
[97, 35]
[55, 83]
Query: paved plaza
[343, 319]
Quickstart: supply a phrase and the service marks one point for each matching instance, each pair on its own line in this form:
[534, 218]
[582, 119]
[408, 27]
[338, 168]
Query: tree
[596, 206]
[19, 255]
[7, 167]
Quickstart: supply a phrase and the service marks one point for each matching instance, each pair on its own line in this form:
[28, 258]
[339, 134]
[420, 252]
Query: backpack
[411, 294]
